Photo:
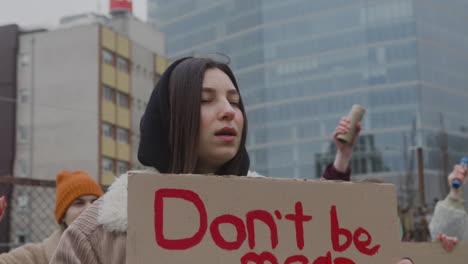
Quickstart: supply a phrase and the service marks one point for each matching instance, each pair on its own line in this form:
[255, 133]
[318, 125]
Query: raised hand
[448, 243]
[458, 173]
[343, 155]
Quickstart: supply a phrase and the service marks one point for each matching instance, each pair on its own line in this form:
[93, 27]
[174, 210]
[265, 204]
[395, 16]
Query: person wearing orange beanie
[75, 191]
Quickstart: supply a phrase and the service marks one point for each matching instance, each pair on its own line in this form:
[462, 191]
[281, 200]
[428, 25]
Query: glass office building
[301, 64]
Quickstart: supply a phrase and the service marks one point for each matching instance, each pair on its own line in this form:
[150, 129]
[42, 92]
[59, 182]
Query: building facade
[9, 34]
[302, 64]
[82, 89]
[71, 99]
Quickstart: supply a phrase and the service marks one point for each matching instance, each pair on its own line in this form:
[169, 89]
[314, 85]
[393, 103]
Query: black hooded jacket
[154, 150]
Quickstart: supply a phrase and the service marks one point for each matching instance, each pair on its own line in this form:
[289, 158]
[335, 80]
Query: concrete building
[8, 52]
[71, 98]
[9, 36]
[82, 89]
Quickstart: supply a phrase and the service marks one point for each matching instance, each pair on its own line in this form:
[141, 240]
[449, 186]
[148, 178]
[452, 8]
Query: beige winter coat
[33, 253]
[98, 235]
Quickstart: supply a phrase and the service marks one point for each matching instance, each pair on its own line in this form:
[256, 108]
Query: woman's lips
[226, 134]
[226, 138]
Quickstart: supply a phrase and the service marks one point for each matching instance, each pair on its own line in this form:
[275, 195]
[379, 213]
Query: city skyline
[302, 64]
[48, 13]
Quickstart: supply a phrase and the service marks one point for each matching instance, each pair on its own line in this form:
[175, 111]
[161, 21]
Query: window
[122, 99]
[21, 168]
[122, 135]
[22, 133]
[108, 57]
[23, 96]
[23, 202]
[108, 93]
[108, 130]
[24, 60]
[122, 64]
[108, 165]
[21, 238]
[122, 167]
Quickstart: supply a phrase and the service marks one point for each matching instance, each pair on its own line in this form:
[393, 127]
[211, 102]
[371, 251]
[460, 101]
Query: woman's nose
[227, 112]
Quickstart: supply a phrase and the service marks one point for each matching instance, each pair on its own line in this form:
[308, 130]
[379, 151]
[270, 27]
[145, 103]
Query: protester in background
[195, 122]
[75, 191]
[450, 220]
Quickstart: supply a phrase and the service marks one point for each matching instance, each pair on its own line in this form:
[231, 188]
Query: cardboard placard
[433, 253]
[177, 219]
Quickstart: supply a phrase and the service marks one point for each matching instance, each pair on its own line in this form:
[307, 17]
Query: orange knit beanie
[70, 186]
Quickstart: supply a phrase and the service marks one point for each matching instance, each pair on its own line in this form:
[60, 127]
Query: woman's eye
[205, 100]
[234, 103]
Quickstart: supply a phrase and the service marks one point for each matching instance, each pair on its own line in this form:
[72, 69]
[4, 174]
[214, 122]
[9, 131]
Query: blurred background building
[71, 99]
[302, 64]
[81, 89]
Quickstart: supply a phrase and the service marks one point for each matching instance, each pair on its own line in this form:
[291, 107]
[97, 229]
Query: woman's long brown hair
[185, 88]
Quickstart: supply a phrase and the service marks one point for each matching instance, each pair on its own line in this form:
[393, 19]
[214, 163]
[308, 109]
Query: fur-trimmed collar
[113, 209]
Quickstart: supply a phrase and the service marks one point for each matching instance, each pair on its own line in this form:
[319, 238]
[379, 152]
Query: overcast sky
[29, 13]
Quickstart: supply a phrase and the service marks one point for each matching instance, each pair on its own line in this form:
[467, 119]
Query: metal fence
[30, 213]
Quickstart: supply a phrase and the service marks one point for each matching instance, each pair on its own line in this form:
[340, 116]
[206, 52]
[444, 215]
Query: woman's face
[221, 122]
[77, 207]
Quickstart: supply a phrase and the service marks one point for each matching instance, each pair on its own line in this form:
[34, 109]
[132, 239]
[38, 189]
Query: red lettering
[362, 246]
[324, 259]
[219, 240]
[265, 217]
[302, 259]
[336, 231]
[278, 214]
[329, 260]
[343, 261]
[299, 218]
[258, 259]
[184, 243]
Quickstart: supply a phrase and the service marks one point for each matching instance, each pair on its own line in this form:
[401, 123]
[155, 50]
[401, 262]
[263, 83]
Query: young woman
[75, 192]
[195, 122]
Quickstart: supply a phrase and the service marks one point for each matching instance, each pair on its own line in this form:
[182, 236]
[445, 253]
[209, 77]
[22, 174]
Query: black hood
[153, 150]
